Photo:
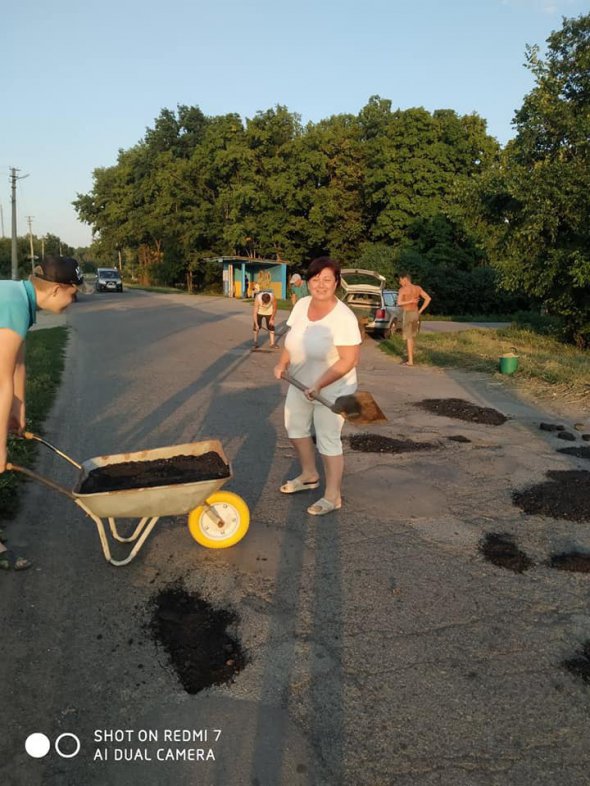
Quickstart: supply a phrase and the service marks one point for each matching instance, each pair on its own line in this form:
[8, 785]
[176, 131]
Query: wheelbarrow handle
[40, 479]
[296, 383]
[37, 438]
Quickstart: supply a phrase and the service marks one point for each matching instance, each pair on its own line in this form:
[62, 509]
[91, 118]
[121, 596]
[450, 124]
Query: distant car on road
[375, 306]
[108, 279]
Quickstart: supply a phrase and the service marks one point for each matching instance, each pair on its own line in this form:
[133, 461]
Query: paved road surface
[382, 648]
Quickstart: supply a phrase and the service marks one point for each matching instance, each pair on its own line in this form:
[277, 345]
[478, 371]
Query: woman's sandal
[295, 485]
[323, 506]
[16, 563]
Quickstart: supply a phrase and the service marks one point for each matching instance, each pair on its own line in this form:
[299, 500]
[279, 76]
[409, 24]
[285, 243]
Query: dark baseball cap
[60, 270]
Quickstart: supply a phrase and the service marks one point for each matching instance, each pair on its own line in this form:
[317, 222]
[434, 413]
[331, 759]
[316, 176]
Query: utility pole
[2, 220]
[14, 256]
[30, 221]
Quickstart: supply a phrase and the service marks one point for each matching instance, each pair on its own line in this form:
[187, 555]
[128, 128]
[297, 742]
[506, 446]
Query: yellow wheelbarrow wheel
[207, 529]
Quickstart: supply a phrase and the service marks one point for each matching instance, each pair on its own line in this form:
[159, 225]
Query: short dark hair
[405, 274]
[321, 263]
[265, 297]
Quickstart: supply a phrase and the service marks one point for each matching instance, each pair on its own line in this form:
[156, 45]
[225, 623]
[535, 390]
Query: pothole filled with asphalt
[579, 452]
[576, 561]
[501, 550]
[579, 665]
[566, 495]
[195, 637]
[462, 410]
[376, 443]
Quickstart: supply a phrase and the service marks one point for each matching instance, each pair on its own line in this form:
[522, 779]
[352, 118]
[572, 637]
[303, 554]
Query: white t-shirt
[265, 310]
[312, 345]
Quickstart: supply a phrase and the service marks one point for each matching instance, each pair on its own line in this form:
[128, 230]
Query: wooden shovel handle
[295, 382]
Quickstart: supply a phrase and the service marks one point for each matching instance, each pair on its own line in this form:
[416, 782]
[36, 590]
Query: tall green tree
[537, 201]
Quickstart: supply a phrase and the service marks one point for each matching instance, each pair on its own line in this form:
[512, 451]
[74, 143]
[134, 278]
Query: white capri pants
[300, 413]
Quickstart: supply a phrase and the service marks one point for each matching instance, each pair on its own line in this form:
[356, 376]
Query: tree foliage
[197, 185]
[385, 189]
[534, 207]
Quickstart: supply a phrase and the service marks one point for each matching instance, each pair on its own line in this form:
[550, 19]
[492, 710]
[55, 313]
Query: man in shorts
[265, 308]
[408, 298]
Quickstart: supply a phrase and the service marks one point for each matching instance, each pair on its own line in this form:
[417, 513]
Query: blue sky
[81, 80]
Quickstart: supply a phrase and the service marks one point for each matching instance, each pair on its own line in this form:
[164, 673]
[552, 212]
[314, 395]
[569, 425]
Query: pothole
[579, 452]
[462, 410]
[566, 495]
[501, 550]
[458, 438]
[576, 561]
[551, 427]
[195, 637]
[579, 665]
[376, 443]
[566, 436]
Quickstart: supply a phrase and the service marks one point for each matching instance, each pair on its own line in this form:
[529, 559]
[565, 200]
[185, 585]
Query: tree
[537, 201]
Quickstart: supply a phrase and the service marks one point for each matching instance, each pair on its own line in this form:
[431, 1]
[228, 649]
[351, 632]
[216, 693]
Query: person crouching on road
[321, 351]
[52, 287]
[408, 298]
[265, 308]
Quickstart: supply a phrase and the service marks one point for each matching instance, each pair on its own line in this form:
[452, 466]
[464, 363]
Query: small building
[241, 274]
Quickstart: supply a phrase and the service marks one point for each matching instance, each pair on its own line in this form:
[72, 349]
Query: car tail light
[380, 313]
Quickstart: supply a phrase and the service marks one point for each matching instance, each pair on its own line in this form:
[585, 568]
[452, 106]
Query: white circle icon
[76, 743]
[37, 745]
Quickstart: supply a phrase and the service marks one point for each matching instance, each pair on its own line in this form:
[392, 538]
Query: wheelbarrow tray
[169, 500]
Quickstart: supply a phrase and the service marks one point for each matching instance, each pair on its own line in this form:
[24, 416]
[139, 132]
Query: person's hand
[311, 393]
[271, 322]
[279, 370]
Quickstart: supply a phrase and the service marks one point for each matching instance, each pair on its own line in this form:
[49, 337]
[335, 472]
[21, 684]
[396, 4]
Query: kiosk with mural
[243, 276]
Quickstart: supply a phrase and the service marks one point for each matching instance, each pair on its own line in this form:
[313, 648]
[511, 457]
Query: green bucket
[508, 362]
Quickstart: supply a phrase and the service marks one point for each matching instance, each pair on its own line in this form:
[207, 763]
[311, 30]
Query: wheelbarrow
[216, 519]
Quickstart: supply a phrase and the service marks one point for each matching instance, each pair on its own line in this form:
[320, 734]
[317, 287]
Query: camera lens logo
[67, 745]
[37, 745]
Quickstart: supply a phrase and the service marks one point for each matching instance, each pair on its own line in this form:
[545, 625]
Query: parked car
[376, 307]
[108, 279]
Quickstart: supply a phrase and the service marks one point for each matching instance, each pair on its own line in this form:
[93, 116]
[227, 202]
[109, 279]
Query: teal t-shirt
[300, 291]
[18, 306]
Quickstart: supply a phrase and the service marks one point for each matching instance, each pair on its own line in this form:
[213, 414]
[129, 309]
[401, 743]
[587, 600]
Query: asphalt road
[382, 648]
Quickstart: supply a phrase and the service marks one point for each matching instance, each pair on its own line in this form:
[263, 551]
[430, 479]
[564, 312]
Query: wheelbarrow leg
[137, 532]
[146, 525]
[135, 551]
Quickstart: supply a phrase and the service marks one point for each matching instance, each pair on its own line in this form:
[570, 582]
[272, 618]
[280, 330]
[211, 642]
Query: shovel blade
[359, 408]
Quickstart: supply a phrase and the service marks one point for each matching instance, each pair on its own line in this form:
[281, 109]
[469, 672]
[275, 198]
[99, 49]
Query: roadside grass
[547, 368]
[45, 353]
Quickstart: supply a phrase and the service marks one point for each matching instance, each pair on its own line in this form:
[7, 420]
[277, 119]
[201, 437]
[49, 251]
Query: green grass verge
[45, 354]
[547, 367]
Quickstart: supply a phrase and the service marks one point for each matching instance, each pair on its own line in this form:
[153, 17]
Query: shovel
[359, 408]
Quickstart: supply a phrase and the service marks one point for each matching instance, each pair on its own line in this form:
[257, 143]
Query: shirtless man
[408, 298]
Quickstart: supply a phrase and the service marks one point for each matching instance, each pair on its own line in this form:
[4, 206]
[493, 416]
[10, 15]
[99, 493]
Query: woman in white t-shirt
[322, 351]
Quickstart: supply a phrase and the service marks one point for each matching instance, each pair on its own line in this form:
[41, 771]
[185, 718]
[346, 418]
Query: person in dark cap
[52, 287]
